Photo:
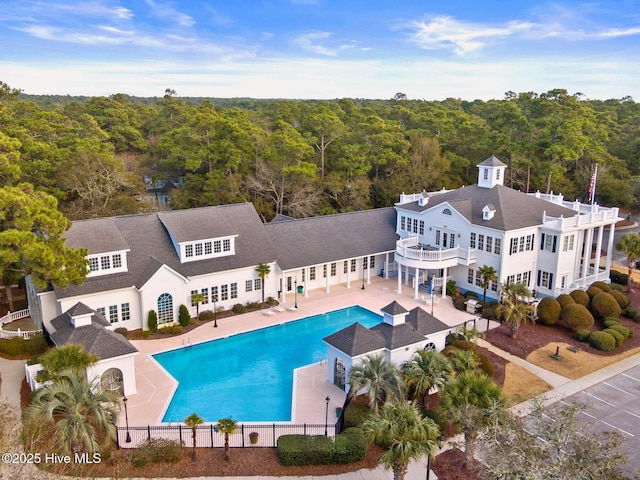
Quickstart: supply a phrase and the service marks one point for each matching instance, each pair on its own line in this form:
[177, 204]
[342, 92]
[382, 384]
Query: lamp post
[215, 314]
[126, 419]
[440, 440]
[326, 415]
[363, 269]
[295, 293]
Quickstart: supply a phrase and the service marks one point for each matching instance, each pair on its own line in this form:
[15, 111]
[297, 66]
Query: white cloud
[311, 42]
[168, 12]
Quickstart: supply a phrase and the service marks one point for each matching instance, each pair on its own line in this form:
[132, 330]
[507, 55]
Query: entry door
[289, 284]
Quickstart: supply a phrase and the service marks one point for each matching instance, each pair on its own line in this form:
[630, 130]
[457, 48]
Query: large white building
[157, 261]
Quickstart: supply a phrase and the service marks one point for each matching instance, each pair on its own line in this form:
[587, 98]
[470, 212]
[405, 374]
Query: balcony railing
[411, 249]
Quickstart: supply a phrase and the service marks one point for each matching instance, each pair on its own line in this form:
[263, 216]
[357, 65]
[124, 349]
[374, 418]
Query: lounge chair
[279, 309]
[268, 312]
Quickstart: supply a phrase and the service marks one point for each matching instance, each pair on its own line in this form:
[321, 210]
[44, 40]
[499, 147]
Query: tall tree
[380, 378]
[75, 413]
[197, 298]
[630, 245]
[193, 421]
[472, 402]
[327, 127]
[31, 240]
[404, 434]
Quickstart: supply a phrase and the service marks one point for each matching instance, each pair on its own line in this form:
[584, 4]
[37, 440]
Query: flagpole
[592, 190]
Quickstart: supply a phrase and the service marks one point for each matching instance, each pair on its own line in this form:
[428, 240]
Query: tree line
[302, 158]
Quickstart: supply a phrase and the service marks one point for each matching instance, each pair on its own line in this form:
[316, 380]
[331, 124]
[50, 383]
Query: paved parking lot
[614, 405]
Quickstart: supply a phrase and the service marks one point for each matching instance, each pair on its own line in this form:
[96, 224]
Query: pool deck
[155, 386]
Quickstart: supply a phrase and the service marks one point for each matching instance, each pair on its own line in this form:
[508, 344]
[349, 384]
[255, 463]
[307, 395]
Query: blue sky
[321, 49]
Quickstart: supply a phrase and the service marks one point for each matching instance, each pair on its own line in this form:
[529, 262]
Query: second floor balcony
[410, 252]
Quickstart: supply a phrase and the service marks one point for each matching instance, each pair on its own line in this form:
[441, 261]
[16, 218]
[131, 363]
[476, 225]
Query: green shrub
[608, 321]
[272, 302]
[453, 337]
[602, 341]
[626, 332]
[13, 347]
[485, 364]
[464, 345]
[171, 330]
[350, 446]
[604, 305]
[549, 310]
[451, 287]
[206, 315]
[615, 334]
[615, 286]
[122, 331]
[602, 286]
[630, 312]
[305, 450]
[581, 297]
[469, 294]
[576, 317]
[593, 291]
[618, 277]
[620, 297]
[565, 299]
[157, 450]
[152, 321]
[252, 305]
[239, 308]
[184, 317]
[458, 302]
[582, 335]
[36, 345]
[637, 318]
[355, 414]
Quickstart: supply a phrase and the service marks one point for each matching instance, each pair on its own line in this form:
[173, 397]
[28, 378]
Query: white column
[386, 266]
[444, 282]
[284, 287]
[612, 229]
[415, 286]
[304, 281]
[368, 270]
[349, 273]
[598, 249]
[406, 275]
[399, 278]
[327, 266]
[587, 254]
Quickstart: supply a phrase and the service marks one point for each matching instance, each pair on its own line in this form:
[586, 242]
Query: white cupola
[491, 172]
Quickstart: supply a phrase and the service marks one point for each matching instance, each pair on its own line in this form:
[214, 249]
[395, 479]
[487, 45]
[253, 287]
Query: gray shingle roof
[424, 322]
[398, 336]
[330, 238]
[95, 338]
[492, 161]
[394, 308]
[514, 209]
[151, 246]
[356, 340]
[105, 236]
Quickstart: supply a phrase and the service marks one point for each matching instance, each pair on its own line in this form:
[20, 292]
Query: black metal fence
[208, 436]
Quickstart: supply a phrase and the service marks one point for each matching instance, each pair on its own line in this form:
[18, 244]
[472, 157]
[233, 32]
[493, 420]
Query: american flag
[592, 186]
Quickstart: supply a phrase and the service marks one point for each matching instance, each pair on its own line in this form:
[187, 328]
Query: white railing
[409, 248]
[12, 316]
[558, 223]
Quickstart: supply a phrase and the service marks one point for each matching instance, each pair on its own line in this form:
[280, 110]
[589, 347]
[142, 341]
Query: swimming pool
[249, 376]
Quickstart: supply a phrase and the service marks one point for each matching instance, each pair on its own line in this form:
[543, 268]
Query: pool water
[249, 376]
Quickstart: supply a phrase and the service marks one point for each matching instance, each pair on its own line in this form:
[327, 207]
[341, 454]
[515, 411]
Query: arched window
[111, 380]
[165, 308]
[446, 211]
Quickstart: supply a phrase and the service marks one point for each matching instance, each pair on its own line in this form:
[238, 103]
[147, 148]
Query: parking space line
[608, 424]
[629, 376]
[620, 389]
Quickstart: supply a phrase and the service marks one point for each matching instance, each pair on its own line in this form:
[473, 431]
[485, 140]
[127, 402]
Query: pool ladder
[186, 342]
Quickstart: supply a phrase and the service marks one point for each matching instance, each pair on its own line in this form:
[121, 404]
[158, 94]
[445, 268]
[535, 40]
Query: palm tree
[424, 371]
[75, 413]
[463, 360]
[404, 433]
[70, 357]
[263, 270]
[515, 313]
[380, 378]
[630, 245]
[487, 274]
[472, 401]
[197, 298]
[227, 426]
[515, 291]
[193, 421]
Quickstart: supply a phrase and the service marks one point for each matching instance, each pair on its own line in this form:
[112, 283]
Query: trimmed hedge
[355, 415]
[464, 345]
[615, 286]
[621, 298]
[582, 335]
[609, 321]
[618, 277]
[565, 299]
[581, 297]
[156, 450]
[206, 315]
[593, 291]
[605, 287]
[604, 305]
[122, 331]
[630, 312]
[626, 332]
[576, 317]
[171, 330]
[602, 341]
[549, 310]
[184, 317]
[16, 346]
[615, 334]
[299, 450]
[239, 308]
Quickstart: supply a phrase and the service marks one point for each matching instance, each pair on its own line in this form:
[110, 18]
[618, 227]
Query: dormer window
[106, 263]
[203, 249]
